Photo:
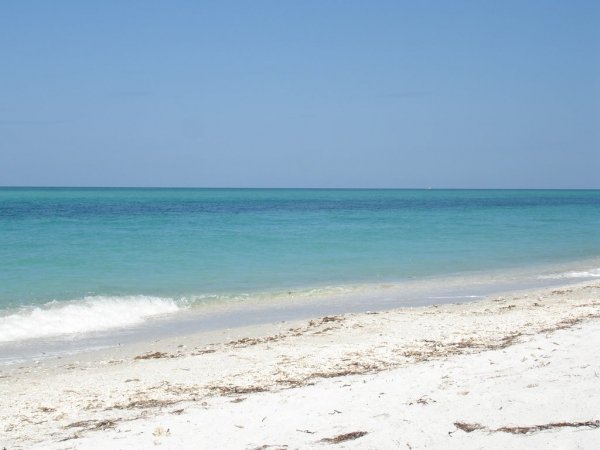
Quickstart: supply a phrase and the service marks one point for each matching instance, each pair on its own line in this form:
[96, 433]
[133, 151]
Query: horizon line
[426, 188]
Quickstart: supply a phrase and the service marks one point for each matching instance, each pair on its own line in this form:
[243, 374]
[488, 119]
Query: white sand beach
[521, 370]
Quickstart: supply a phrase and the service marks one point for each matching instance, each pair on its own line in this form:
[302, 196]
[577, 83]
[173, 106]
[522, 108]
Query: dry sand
[517, 371]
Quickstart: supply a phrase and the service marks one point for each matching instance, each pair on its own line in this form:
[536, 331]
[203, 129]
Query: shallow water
[76, 261]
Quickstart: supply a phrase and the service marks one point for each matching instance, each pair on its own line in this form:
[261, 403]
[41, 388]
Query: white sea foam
[82, 316]
[593, 273]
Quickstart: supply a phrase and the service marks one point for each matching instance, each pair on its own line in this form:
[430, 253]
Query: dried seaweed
[246, 342]
[90, 425]
[567, 323]
[266, 446]
[236, 390]
[344, 437]
[548, 426]
[146, 403]
[470, 427]
[155, 355]
[203, 351]
[326, 319]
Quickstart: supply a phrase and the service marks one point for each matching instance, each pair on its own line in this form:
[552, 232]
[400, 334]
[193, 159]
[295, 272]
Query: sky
[311, 93]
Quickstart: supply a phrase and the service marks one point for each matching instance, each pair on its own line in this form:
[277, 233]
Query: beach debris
[548, 426]
[344, 437]
[154, 355]
[422, 401]
[145, 403]
[325, 319]
[230, 390]
[331, 319]
[324, 330]
[470, 427]
[561, 291]
[355, 369]
[112, 362]
[291, 383]
[160, 431]
[266, 446]
[91, 425]
[67, 438]
[306, 431]
[246, 342]
[567, 323]
[203, 351]
[335, 411]
[177, 411]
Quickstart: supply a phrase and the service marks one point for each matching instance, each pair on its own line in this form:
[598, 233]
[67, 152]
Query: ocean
[76, 261]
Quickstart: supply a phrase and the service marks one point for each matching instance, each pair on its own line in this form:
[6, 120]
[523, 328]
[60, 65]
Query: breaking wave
[82, 316]
[593, 273]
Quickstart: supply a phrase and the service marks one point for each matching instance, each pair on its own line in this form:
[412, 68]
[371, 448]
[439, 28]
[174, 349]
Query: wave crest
[593, 273]
[82, 316]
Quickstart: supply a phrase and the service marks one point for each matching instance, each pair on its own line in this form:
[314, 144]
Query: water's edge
[170, 320]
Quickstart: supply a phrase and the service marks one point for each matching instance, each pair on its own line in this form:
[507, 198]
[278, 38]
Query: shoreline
[258, 309]
[91, 400]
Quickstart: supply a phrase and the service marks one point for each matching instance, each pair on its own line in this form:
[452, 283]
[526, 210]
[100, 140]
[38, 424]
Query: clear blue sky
[300, 93]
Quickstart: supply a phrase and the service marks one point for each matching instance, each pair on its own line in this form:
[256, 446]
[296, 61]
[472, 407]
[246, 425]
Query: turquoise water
[146, 249]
